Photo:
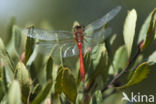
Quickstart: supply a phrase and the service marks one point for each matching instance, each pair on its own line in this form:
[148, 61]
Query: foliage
[27, 76]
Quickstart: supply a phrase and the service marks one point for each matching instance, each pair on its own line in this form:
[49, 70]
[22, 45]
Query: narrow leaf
[49, 67]
[2, 92]
[144, 28]
[58, 84]
[151, 30]
[9, 30]
[129, 30]
[29, 45]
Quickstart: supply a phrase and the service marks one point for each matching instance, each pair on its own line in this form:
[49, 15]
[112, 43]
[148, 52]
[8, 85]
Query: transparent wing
[63, 49]
[48, 35]
[102, 21]
[96, 38]
[68, 48]
[59, 43]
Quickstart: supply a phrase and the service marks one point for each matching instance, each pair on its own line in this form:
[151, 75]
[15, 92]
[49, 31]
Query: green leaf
[43, 94]
[2, 92]
[58, 84]
[120, 59]
[6, 63]
[30, 43]
[152, 57]
[49, 68]
[139, 75]
[113, 38]
[14, 95]
[69, 85]
[5, 79]
[87, 61]
[100, 62]
[97, 98]
[14, 45]
[22, 75]
[9, 30]
[36, 65]
[15, 41]
[99, 67]
[4, 56]
[66, 83]
[129, 30]
[148, 30]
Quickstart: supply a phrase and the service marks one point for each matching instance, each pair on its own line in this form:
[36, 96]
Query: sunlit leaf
[139, 75]
[5, 56]
[7, 64]
[14, 45]
[129, 30]
[22, 75]
[14, 95]
[120, 59]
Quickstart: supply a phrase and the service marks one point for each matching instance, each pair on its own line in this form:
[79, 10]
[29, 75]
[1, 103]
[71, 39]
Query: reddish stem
[82, 69]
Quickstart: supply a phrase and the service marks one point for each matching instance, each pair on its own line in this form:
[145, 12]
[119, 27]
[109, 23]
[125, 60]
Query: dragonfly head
[77, 27]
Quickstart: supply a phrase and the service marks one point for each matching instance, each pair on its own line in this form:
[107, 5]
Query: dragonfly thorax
[78, 32]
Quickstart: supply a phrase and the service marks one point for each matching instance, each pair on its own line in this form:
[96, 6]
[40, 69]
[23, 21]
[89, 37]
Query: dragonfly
[76, 42]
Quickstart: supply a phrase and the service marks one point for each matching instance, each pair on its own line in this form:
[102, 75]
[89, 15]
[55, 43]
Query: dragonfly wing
[96, 38]
[102, 21]
[61, 49]
[69, 50]
[48, 35]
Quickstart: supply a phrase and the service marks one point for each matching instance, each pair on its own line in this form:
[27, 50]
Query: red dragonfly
[74, 43]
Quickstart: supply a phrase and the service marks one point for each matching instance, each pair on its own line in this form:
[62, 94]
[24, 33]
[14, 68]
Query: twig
[126, 69]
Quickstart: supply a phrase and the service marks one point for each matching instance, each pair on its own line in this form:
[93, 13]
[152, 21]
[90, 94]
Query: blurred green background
[61, 14]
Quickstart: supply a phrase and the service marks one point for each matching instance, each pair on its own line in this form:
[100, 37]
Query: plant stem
[123, 71]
